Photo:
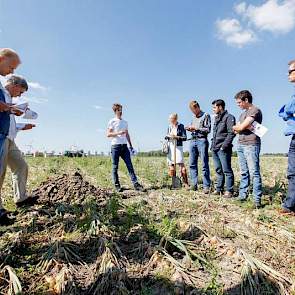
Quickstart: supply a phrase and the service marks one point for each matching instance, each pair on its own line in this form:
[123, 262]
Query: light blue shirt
[287, 112]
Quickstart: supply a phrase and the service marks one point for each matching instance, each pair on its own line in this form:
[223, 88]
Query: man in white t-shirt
[118, 132]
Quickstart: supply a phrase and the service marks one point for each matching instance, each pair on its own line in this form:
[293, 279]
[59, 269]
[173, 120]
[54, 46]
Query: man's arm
[111, 133]
[290, 108]
[243, 126]
[4, 107]
[129, 139]
[230, 122]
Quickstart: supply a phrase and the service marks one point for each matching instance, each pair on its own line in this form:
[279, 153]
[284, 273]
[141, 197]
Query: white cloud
[240, 8]
[33, 99]
[273, 16]
[231, 31]
[36, 86]
[97, 107]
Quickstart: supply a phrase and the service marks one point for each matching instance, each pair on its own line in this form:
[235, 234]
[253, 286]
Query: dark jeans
[2, 141]
[223, 170]
[289, 202]
[121, 150]
[250, 170]
[199, 148]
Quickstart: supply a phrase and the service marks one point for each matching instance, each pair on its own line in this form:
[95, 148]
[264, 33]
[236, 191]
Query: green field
[159, 242]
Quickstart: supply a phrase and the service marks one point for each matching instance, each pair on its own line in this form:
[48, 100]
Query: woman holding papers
[176, 134]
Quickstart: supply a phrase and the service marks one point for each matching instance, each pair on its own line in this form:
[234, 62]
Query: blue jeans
[223, 170]
[289, 202]
[2, 141]
[199, 147]
[121, 150]
[250, 170]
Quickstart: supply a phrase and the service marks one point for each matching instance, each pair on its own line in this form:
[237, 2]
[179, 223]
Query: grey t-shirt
[246, 136]
[196, 121]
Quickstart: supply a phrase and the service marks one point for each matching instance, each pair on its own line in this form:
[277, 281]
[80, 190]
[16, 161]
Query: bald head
[9, 61]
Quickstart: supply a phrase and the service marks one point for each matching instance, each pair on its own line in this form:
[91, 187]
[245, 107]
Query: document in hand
[30, 115]
[22, 106]
[20, 126]
[133, 152]
[258, 129]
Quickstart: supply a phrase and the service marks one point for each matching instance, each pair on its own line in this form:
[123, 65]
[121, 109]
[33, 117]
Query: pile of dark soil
[68, 189]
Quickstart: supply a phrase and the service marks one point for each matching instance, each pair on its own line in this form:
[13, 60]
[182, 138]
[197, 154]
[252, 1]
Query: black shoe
[257, 206]
[206, 191]
[228, 195]
[118, 189]
[3, 213]
[27, 202]
[138, 187]
[4, 218]
[194, 188]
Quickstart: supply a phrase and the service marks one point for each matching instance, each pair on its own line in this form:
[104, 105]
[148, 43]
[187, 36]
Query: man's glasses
[291, 71]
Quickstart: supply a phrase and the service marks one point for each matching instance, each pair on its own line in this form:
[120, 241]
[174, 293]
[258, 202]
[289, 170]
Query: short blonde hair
[9, 53]
[173, 116]
[291, 62]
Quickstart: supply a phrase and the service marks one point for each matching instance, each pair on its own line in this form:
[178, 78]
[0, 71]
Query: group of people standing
[10, 155]
[225, 129]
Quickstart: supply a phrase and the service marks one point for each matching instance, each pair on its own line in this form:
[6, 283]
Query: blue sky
[153, 56]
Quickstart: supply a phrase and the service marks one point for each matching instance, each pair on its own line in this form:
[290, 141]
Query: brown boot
[184, 177]
[172, 171]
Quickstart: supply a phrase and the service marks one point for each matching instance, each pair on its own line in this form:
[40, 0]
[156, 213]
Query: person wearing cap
[15, 86]
[199, 145]
[287, 112]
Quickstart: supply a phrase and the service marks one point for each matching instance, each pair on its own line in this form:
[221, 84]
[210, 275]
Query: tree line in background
[159, 153]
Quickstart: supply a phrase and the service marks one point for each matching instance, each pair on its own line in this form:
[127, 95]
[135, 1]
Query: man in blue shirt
[287, 112]
[9, 61]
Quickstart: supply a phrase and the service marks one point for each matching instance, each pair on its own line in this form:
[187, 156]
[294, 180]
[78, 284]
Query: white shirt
[12, 128]
[117, 125]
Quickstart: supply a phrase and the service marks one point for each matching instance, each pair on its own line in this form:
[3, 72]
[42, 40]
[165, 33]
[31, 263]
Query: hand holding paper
[258, 129]
[31, 115]
[24, 126]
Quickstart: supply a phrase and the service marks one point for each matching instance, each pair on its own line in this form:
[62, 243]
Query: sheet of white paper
[22, 106]
[30, 115]
[20, 126]
[133, 152]
[258, 129]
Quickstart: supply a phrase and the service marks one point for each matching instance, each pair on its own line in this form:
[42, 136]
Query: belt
[195, 137]
[122, 144]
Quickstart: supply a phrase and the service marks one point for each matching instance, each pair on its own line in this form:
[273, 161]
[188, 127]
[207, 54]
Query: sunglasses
[291, 71]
